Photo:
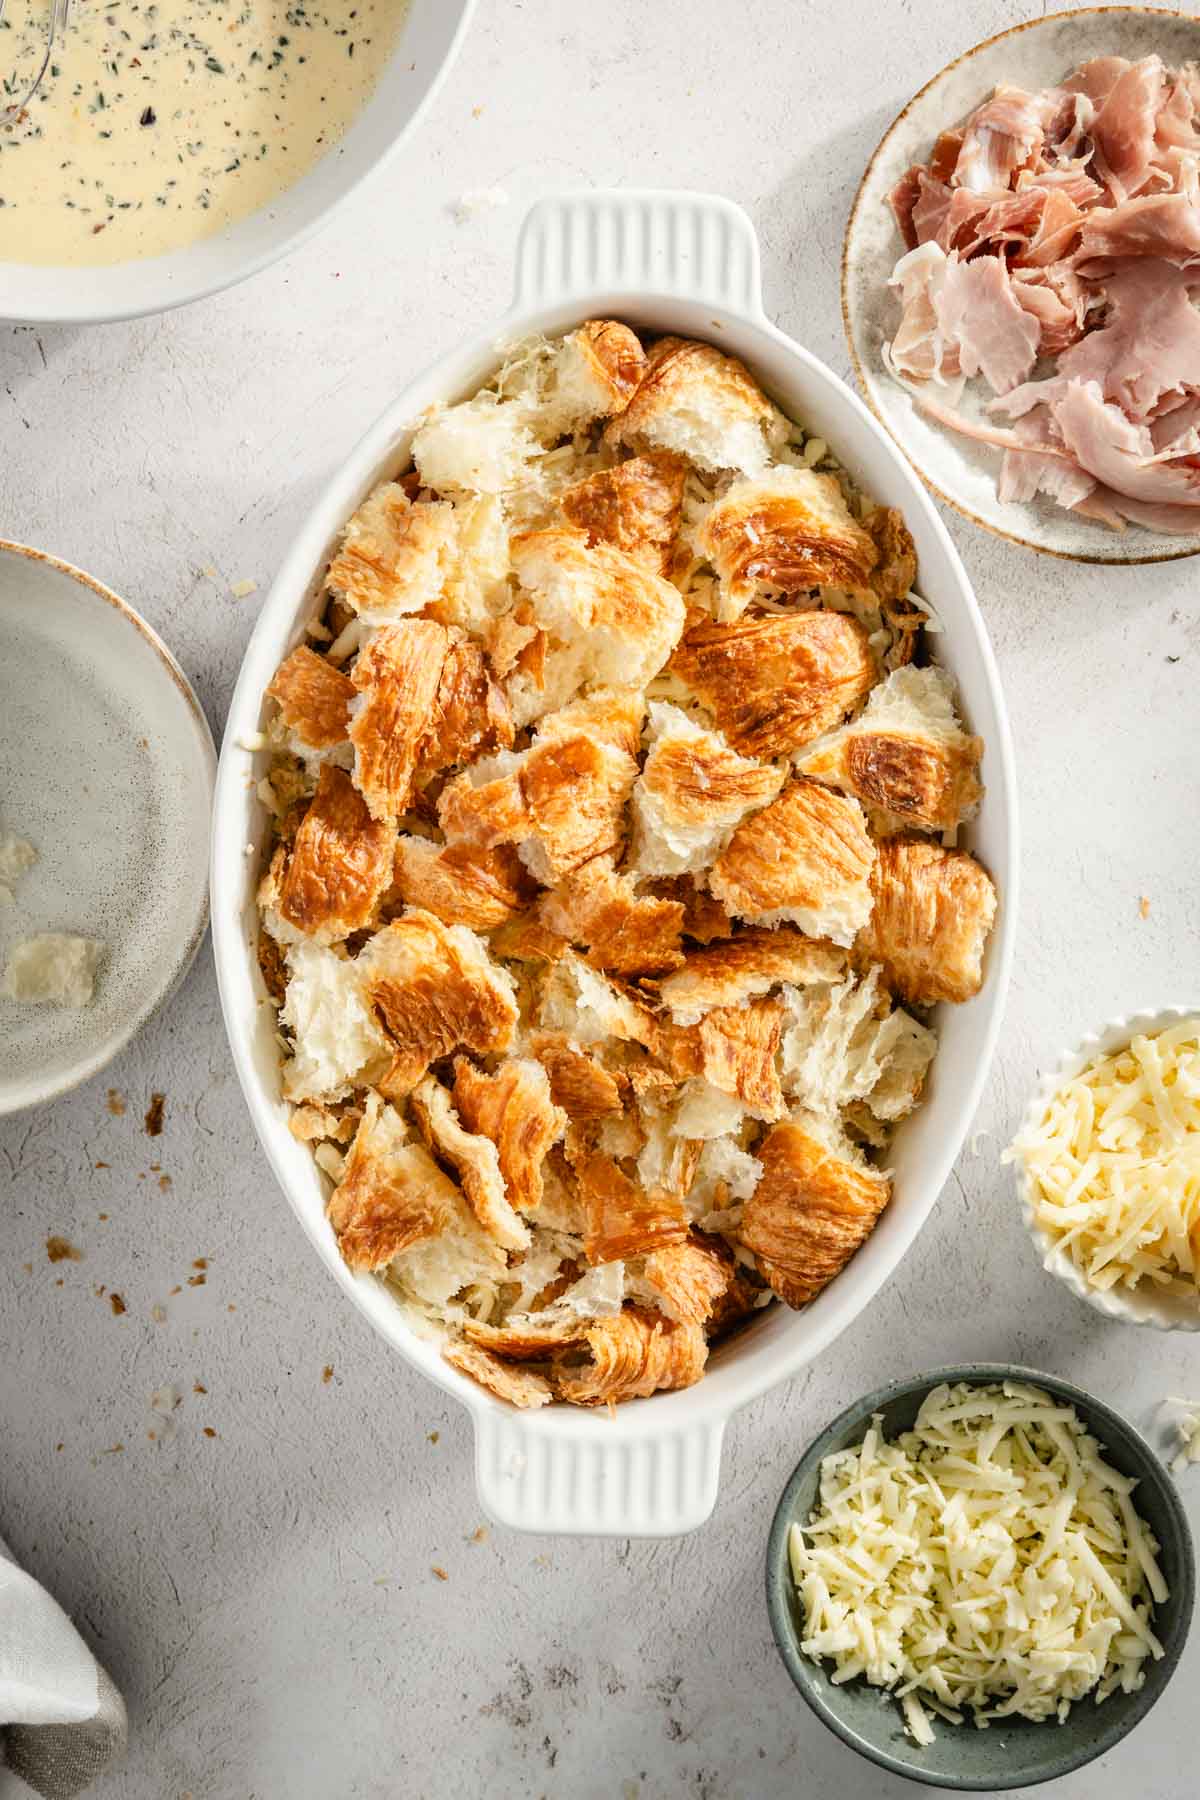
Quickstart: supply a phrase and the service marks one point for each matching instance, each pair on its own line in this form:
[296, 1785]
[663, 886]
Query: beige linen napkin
[61, 1719]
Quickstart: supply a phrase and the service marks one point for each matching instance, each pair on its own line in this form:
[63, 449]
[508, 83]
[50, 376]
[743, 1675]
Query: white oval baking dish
[1144, 1304]
[427, 45]
[684, 263]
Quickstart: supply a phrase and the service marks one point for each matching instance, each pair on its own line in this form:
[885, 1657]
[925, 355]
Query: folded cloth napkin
[61, 1719]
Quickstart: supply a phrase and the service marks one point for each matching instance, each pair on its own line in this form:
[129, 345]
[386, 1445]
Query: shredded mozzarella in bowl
[1113, 1164]
[987, 1561]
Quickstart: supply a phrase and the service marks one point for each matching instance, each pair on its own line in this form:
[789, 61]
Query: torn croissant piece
[704, 918]
[703, 405]
[775, 681]
[635, 507]
[460, 884]
[394, 556]
[787, 533]
[612, 716]
[434, 989]
[739, 968]
[470, 714]
[392, 1194]
[738, 1046]
[905, 756]
[591, 376]
[530, 1339]
[397, 675]
[933, 910]
[561, 802]
[339, 866]
[474, 1159]
[816, 1202]
[623, 931]
[689, 1279]
[527, 939]
[578, 1083]
[635, 1353]
[314, 700]
[805, 859]
[515, 1109]
[616, 621]
[521, 1387]
[896, 569]
[692, 790]
[622, 1221]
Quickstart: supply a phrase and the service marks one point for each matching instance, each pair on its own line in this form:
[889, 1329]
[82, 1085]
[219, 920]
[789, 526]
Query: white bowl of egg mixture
[177, 146]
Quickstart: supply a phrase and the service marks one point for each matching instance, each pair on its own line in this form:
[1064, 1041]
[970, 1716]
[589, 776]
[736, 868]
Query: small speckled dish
[107, 768]
[960, 471]
[1018, 1753]
[1144, 1304]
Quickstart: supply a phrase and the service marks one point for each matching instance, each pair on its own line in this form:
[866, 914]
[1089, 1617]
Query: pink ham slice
[1162, 225]
[1003, 135]
[1042, 468]
[978, 311]
[1117, 452]
[1123, 129]
[902, 200]
[920, 348]
[1149, 348]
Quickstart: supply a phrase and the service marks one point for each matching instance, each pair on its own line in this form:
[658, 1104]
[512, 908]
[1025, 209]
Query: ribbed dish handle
[612, 242]
[592, 1479]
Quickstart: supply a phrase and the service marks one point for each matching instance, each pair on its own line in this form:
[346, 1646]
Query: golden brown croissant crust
[809, 1213]
[933, 910]
[774, 682]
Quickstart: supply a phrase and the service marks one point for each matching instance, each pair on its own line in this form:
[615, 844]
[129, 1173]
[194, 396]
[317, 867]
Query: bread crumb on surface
[154, 1115]
[61, 1249]
[116, 1104]
[440, 1572]
[209, 1432]
[159, 1314]
[117, 1304]
[479, 1535]
[241, 590]
[1144, 906]
[476, 200]
[52, 969]
[198, 1387]
[327, 1374]
[434, 1436]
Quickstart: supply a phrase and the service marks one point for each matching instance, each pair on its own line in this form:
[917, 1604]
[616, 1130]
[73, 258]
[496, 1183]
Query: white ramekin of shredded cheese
[1108, 1169]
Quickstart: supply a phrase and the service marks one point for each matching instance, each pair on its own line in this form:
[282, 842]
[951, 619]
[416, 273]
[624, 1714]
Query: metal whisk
[56, 27]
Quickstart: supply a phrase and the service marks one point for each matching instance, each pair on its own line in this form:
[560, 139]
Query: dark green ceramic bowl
[1016, 1753]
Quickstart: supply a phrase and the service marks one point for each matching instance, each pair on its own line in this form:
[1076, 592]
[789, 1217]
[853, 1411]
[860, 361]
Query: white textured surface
[265, 1597]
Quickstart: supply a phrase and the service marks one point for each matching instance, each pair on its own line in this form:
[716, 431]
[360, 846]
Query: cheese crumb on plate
[53, 969]
[16, 856]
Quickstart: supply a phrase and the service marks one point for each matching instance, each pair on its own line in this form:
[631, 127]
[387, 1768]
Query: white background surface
[265, 1597]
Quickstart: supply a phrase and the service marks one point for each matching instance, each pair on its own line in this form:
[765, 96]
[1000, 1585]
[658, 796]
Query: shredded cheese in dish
[1114, 1163]
[987, 1559]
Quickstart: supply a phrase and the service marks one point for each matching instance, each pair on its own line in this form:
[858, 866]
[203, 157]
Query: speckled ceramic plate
[957, 469]
[107, 768]
[1010, 1753]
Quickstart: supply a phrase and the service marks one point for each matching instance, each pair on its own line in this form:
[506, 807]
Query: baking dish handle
[607, 243]
[592, 1477]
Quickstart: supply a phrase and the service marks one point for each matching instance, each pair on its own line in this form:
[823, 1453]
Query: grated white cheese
[1187, 1430]
[987, 1559]
[1114, 1163]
